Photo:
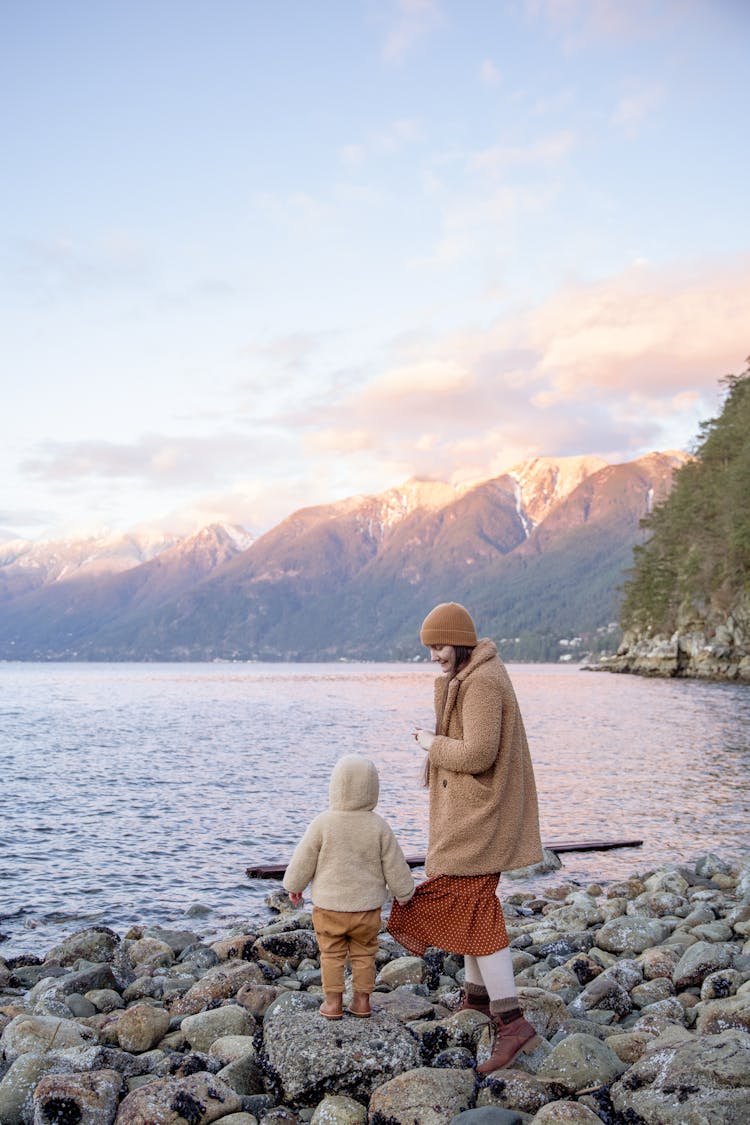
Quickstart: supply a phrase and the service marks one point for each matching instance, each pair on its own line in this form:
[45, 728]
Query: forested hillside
[688, 594]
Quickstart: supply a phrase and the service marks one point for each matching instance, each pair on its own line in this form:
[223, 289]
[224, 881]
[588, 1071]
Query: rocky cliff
[709, 643]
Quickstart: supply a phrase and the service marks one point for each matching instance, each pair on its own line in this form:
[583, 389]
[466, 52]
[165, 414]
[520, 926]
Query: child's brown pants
[342, 932]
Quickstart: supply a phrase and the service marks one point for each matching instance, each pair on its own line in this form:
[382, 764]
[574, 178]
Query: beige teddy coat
[349, 852]
[483, 805]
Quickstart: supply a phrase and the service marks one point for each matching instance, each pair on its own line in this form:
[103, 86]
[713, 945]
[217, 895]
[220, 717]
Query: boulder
[37, 1034]
[701, 1081]
[204, 1028]
[431, 1097]
[566, 1113]
[402, 970]
[514, 1089]
[86, 1099]
[337, 1109]
[220, 983]
[140, 1027]
[720, 1015]
[631, 934]
[580, 1061]
[194, 1100]
[311, 1056]
[95, 944]
[700, 960]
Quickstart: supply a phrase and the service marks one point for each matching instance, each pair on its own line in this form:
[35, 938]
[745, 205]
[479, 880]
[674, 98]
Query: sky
[262, 254]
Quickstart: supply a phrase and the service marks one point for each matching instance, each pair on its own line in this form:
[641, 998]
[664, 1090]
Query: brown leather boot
[512, 1034]
[475, 999]
[332, 1007]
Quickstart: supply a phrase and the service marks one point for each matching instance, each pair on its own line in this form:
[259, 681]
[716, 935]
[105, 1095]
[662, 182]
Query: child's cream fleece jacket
[349, 852]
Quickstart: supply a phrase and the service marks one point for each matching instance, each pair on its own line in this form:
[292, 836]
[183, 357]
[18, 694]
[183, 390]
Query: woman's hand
[295, 898]
[425, 738]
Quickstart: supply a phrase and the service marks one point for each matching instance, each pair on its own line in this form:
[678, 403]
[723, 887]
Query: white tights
[494, 972]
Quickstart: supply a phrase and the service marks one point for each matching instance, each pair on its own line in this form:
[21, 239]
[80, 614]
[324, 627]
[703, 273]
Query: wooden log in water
[276, 870]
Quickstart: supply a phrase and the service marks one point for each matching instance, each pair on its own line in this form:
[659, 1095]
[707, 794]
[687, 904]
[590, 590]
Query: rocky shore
[708, 643]
[639, 989]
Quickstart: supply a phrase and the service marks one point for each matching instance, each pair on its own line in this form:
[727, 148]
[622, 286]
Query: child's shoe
[332, 1007]
[360, 1005]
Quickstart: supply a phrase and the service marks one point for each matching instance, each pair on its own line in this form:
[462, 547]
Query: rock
[404, 1004]
[17, 1088]
[461, 1029]
[140, 1027]
[204, 1028]
[37, 1034]
[238, 947]
[719, 985]
[703, 1081]
[651, 991]
[631, 935]
[339, 1110]
[658, 961]
[566, 1113]
[720, 1015]
[313, 1056]
[604, 992]
[544, 1010]
[629, 1045]
[488, 1115]
[514, 1089]
[257, 998]
[195, 1100]
[238, 1119]
[288, 947]
[150, 953]
[580, 1061]
[431, 1097]
[230, 1048]
[220, 983]
[700, 960]
[86, 1099]
[244, 1075]
[105, 999]
[96, 944]
[550, 861]
[402, 970]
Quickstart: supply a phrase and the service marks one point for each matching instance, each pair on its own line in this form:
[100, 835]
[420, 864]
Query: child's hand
[295, 898]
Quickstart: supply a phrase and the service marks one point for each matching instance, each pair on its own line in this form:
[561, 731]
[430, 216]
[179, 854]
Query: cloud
[383, 142]
[584, 23]
[153, 459]
[489, 75]
[616, 368]
[545, 151]
[636, 107]
[412, 20]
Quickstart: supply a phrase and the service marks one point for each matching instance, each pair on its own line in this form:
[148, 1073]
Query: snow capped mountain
[539, 550]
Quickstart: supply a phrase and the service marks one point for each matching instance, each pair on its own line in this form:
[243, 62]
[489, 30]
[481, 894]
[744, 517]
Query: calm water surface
[140, 793]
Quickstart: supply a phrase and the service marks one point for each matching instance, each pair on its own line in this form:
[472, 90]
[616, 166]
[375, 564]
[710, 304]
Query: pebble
[639, 990]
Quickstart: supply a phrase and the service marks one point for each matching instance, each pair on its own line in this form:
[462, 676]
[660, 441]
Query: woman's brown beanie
[448, 624]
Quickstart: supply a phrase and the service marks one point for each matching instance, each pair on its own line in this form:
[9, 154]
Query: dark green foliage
[698, 546]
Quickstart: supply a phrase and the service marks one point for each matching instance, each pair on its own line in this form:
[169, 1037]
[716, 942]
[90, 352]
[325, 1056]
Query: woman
[483, 820]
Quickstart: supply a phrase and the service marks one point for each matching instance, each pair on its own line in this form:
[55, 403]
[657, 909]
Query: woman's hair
[463, 656]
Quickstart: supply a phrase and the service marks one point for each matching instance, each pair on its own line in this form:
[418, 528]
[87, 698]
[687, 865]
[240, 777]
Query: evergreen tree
[698, 546]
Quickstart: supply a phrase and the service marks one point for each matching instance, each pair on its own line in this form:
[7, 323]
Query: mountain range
[537, 554]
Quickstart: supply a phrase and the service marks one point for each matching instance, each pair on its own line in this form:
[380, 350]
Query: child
[352, 857]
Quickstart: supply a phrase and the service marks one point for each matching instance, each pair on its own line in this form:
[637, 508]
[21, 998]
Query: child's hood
[354, 784]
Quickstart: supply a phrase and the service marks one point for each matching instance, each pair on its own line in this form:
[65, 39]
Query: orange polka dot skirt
[457, 913]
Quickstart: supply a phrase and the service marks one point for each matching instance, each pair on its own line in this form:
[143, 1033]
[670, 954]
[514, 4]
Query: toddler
[352, 858]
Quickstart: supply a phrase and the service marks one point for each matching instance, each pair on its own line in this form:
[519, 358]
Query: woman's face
[445, 656]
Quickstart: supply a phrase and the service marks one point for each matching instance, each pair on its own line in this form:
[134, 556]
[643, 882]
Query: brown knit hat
[448, 624]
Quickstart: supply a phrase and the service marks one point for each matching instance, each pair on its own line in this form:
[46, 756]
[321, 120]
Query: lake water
[140, 792]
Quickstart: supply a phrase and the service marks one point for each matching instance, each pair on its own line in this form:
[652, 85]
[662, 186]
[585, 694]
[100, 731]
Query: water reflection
[135, 792]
